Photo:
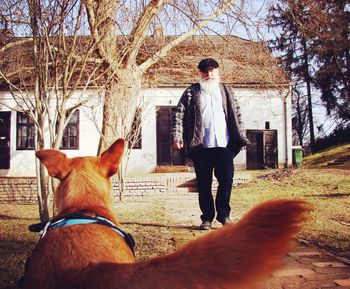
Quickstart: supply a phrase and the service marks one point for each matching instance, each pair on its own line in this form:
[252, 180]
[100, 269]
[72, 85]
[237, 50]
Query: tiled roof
[242, 62]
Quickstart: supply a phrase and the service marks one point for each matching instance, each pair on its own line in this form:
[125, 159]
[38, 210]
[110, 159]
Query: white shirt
[213, 118]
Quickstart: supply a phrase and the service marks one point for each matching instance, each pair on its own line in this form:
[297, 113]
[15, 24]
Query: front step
[172, 169]
[187, 187]
[190, 186]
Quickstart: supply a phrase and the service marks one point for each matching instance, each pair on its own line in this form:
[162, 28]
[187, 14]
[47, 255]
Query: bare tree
[126, 27]
[44, 69]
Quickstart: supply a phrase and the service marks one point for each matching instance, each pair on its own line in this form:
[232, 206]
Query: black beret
[207, 63]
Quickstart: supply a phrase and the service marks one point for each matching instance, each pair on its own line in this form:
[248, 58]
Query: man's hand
[177, 145]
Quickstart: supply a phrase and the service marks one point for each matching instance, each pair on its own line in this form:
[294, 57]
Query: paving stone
[295, 264]
[305, 254]
[343, 282]
[293, 272]
[321, 277]
[325, 284]
[310, 260]
[283, 282]
[330, 265]
[333, 270]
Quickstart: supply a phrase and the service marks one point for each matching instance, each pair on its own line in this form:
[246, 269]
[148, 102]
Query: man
[207, 125]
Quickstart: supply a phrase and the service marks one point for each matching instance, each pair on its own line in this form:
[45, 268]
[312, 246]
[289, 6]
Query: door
[165, 154]
[5, 126]
[263, 150]
[255, 150]
[270, 149]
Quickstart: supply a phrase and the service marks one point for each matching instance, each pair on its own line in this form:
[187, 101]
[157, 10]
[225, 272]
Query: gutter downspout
[285, 124]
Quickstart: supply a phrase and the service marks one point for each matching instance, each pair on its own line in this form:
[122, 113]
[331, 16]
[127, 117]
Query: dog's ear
[110, 159]
[55, 161]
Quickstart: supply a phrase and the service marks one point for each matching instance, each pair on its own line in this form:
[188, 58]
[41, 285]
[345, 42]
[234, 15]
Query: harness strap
[79, 218]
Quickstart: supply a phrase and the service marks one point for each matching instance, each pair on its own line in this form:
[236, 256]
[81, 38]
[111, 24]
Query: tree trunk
[42, 189]
[121, 182]
[120, 103]
[309, 96]
[43, 195]
[300, 125]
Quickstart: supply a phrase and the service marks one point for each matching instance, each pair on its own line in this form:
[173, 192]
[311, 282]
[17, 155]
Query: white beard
[209, 85]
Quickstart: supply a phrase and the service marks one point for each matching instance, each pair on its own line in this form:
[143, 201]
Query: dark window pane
[71, 132]
[74, 117]
[25, 132]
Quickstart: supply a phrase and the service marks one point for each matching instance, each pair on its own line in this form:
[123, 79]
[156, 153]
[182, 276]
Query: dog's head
[84, 180]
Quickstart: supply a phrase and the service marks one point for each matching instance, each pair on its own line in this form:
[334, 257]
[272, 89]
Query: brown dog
[95, 256]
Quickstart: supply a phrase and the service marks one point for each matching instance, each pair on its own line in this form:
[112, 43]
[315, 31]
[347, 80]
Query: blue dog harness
[79, 218]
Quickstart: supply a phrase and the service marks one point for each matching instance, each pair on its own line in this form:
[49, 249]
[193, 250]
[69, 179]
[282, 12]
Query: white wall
[256, 107]
[22, 162]
[148, 154]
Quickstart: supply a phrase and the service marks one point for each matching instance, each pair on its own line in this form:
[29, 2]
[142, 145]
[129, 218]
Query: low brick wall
[153, 184]
[139, 187]
[22, 190]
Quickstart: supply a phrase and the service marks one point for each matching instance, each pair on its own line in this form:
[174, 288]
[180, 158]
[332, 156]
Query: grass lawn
[144, 219]
[328, 190]
[323, 157]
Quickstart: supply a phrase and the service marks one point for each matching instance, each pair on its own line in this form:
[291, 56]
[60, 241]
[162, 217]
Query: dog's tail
[236, 256]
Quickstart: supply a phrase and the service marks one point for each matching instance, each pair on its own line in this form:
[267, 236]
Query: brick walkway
[304, 268]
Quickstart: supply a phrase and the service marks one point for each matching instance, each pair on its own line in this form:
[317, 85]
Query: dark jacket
[187, 120]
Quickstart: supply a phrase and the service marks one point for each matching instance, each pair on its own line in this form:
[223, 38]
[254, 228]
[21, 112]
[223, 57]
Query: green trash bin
[297, 156]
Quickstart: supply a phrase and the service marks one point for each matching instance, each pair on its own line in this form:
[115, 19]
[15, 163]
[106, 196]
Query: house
[262, 89]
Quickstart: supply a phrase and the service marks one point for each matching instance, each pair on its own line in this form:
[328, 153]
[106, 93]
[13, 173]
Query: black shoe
[206, 225]
[226, 221]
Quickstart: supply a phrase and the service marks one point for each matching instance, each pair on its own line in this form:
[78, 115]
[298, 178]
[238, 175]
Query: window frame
[66, 132]
[19, 126]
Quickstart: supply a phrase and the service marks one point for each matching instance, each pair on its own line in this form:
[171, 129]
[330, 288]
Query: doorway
[262, 152]
[5, 128]
[165, 153]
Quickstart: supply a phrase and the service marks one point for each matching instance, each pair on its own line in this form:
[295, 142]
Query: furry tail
[236, 256]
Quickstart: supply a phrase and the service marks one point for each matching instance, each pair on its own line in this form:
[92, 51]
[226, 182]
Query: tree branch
[138, 33]
[101, 18]
[165, 50]
[13, 44]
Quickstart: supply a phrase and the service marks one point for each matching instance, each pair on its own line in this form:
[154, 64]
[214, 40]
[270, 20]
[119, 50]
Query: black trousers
[220, 160]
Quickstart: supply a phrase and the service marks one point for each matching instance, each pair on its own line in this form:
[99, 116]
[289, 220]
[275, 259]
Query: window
[70, 139]
[135, 141]
[25, 132]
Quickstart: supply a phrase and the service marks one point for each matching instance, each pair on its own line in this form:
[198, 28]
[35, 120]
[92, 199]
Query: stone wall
[22, 190]
[153, 184]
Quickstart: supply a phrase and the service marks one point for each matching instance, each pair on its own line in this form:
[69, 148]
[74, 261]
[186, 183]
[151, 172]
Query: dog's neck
[85, 192]
[95, 211]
